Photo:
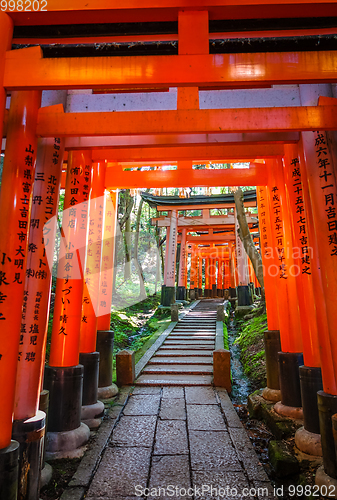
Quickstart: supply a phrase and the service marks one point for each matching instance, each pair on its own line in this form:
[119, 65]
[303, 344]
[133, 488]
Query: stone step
[187, 360]
[173, 379]
[188, 342]
[184, 369]
[184, 352]
[185, 347]
[194, 330]
[191, 337]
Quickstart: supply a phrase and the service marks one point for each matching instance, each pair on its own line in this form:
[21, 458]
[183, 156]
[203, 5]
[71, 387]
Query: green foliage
[251, 344]
[225, 337]
[131, 332]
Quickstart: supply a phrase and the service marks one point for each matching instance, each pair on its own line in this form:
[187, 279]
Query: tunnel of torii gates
[209, 248]
[193, 103]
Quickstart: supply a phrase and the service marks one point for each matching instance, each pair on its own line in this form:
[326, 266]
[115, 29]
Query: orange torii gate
[186, 224]
[26, 72]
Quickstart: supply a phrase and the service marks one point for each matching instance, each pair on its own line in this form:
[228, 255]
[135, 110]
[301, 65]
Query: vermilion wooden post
[270, 264]
[291, 356]
[15, 206]
[288, 309]
[319, 170]
[92, 272]
[207, 277]
[219, 277]
[193, 275]
[165, 263]
[328, 373]
[108, 260]
[321, 176]
[105, 335]
[302, 256]
[64, 375]
[89, 357]
[6, 34]
[181, 292]
[35, 313]
[200, 277]
[69, 287]
[171, 249]
[36, 299]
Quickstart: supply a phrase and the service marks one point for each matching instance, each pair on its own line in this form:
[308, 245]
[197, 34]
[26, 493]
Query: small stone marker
[125, 367]
[222, 369]
[220, 313]
[174, 312]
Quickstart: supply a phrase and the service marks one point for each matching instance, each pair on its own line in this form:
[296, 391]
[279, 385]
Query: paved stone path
[186, 356]
[179, 437]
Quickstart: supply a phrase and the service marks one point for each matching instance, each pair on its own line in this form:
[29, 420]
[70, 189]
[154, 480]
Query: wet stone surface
[165, 450]
[134, 431]
[172, 409]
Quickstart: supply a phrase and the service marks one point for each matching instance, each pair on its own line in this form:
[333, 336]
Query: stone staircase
[186, 356]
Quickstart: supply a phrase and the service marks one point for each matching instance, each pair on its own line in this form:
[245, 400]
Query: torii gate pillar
[170, 290]
[181, 292]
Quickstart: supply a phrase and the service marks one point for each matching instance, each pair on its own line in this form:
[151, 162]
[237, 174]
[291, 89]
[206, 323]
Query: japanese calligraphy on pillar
[172, 247]
[38, 274]
[265, 244]
[13, 265]
[279, 234]
[71, 263]
[108, 253]
[301, 225]
[327, 182]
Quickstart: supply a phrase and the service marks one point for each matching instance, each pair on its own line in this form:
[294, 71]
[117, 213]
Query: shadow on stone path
[184, 440]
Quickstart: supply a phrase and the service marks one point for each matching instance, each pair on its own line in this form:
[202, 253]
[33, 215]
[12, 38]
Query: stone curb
[80, 481]
[219, 341]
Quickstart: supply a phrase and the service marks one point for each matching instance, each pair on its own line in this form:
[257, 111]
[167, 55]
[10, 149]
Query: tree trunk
[247, 240]
[127, 246]
[125, 226]
[142, 292]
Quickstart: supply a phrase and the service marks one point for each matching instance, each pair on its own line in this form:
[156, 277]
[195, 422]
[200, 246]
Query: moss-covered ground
[251, 343]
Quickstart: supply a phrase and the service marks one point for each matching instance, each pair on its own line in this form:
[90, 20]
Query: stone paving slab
[173, 392]
[134, 431]
[172, 409]
[112, 498]
[201, 396]
[120, 470]
[176, 430]
[232, 417]
[147, 390]
[171, 438]
[212, 451]
[205, 418]
[170, 471]
[232, 483]
[142, 405]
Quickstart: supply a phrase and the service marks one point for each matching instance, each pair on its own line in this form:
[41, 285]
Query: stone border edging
[80, 482]
[219, 341]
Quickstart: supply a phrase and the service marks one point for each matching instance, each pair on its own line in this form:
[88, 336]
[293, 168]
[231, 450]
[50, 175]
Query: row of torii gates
[275, 110]
[212, 262]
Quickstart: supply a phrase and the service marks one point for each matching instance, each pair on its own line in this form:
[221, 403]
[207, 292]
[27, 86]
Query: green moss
[251, 343]
[225, 337]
